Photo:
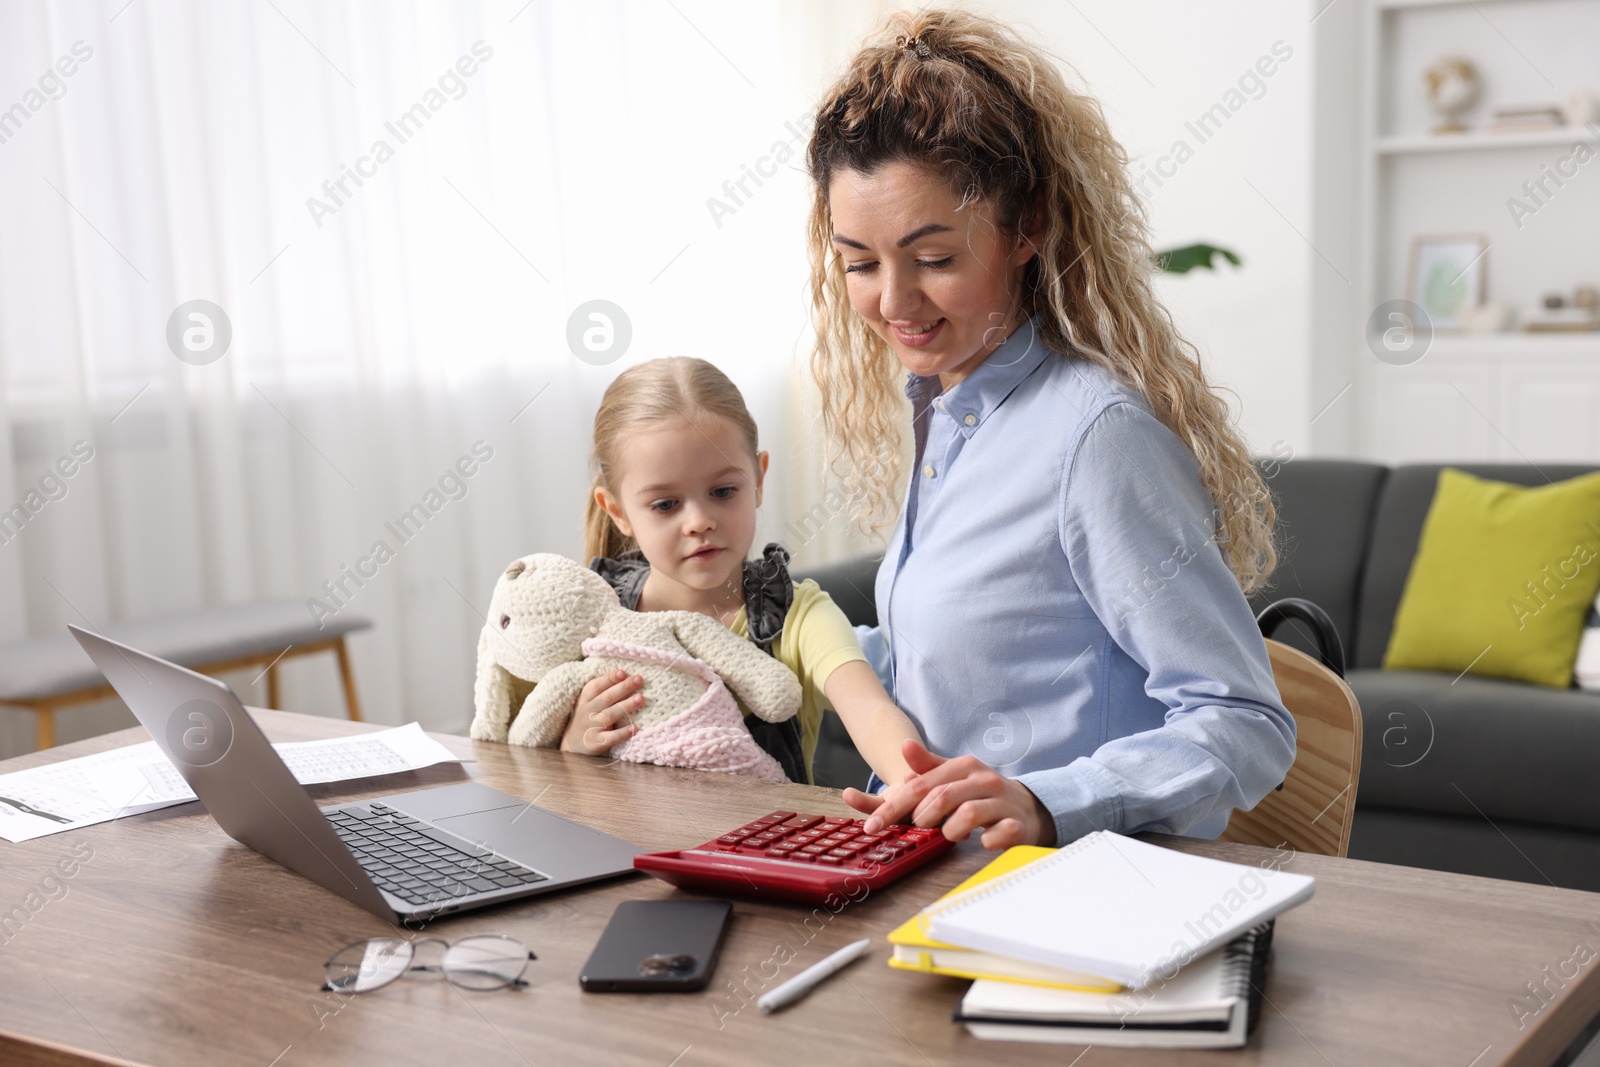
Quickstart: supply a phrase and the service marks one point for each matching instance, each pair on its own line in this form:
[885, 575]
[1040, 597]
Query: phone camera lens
[666, 963]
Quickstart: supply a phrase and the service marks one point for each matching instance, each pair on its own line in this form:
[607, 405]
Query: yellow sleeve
[817, 639]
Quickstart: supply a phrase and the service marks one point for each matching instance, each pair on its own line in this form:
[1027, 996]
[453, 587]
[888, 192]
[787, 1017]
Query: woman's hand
[604, 702]
[964, 794]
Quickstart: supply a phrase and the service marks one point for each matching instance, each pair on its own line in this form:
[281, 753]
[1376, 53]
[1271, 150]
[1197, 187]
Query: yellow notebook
[914, 950]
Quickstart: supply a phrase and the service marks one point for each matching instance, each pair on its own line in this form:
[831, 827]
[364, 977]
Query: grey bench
[46, 674]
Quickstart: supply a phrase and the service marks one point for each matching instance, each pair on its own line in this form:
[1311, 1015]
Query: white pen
[812, 976]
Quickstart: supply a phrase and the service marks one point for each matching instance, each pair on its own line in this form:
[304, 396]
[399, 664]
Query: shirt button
[971, 420]
[928, 470]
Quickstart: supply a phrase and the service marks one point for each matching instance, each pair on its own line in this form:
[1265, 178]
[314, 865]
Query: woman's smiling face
[938, 281]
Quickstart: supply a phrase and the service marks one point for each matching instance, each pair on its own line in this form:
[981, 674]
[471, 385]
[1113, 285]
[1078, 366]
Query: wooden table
[171, 944]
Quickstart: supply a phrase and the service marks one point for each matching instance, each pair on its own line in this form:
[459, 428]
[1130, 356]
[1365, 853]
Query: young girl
[670, 521]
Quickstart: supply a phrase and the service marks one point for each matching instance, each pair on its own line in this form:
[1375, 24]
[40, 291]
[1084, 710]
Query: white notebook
[1211, 1003]
[1112, 906]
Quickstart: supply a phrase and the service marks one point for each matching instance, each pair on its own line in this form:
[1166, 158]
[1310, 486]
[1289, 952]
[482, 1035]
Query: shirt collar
[980, 393]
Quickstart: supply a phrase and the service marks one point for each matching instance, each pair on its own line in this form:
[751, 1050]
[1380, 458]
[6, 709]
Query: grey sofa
[1461, 773]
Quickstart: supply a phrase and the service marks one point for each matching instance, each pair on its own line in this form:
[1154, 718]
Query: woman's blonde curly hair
[968, 100]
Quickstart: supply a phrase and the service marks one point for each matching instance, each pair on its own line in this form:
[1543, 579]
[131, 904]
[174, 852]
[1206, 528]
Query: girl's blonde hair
[650, 393]
[969, 101]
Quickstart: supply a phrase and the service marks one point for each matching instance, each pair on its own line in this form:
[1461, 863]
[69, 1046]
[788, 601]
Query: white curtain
[397, 206]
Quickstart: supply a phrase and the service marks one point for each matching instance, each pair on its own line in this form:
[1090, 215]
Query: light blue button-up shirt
[1053, 601]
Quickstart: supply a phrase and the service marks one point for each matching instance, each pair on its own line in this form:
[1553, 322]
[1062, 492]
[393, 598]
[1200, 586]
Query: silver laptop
[407, 856]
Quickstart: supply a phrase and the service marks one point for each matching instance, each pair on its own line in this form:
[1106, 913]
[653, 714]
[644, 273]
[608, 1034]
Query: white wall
[1160, 64]
[645, 111]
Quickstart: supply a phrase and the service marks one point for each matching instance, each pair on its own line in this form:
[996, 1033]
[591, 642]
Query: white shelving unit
[1564, 137]
[1513, 396]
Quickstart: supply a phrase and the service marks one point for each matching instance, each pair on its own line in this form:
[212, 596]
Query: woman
[1064, 590]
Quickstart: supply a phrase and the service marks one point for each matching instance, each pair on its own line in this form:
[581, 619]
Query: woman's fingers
[866, 802]
[903, 799]
[940, 802]
[894, 804]
[1005, 834]
[976, 814]
[918, 758]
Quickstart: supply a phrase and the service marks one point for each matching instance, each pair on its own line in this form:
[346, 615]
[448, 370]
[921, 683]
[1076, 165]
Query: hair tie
[916, 47]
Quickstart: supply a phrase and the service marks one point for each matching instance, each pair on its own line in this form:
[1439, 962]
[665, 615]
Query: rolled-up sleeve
[1136, 524]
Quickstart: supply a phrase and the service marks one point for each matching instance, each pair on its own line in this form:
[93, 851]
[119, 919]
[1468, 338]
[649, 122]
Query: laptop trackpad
[535, 837]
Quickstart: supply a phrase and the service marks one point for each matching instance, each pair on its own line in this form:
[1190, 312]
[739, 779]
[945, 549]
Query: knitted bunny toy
[554, 624]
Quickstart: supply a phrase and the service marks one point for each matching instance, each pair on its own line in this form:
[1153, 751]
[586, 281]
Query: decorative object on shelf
[1447, 277]
[1453, 87]
[1526, 119]
[1583, 108]
[1580, 315]
[1495, 316]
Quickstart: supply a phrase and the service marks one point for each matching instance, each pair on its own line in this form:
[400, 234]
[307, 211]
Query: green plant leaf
[1182, 260]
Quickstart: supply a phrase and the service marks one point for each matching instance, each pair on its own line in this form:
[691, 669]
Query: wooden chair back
[1312, 810]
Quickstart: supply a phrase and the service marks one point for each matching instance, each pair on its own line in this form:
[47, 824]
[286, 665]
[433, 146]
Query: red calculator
[803, 858]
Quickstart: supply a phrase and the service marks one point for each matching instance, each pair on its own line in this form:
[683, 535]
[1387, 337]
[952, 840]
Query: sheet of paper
[138, 778]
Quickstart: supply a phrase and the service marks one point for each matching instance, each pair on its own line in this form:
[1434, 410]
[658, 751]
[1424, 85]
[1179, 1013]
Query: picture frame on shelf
[1448, 276]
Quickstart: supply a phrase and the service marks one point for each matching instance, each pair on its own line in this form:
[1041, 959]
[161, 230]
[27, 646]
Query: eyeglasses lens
[486, 962]
[368, 965]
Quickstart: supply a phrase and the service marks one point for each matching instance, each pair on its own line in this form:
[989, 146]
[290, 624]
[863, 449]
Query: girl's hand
[964, 794]
[604, 703]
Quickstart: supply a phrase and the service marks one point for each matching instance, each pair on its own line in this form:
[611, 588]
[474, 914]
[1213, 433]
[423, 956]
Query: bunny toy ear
[492, 695]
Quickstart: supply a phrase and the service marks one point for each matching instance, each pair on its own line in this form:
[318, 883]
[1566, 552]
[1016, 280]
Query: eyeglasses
[482, 962]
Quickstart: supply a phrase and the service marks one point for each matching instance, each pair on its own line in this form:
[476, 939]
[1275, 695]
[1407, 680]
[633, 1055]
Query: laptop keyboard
[419, 863]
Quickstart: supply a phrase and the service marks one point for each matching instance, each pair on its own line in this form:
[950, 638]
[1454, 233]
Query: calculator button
[802, 822]
[813, 850]
[832, 861]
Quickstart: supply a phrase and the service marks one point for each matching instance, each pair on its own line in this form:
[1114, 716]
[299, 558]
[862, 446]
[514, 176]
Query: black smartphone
[653, 946]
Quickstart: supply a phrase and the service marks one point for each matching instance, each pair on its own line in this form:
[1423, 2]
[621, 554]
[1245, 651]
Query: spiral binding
[1247, 963]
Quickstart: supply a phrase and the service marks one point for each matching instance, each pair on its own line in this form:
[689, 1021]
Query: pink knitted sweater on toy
[709, 734]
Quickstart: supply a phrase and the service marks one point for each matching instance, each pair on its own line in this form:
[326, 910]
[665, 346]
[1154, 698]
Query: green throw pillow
[1503, 578]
